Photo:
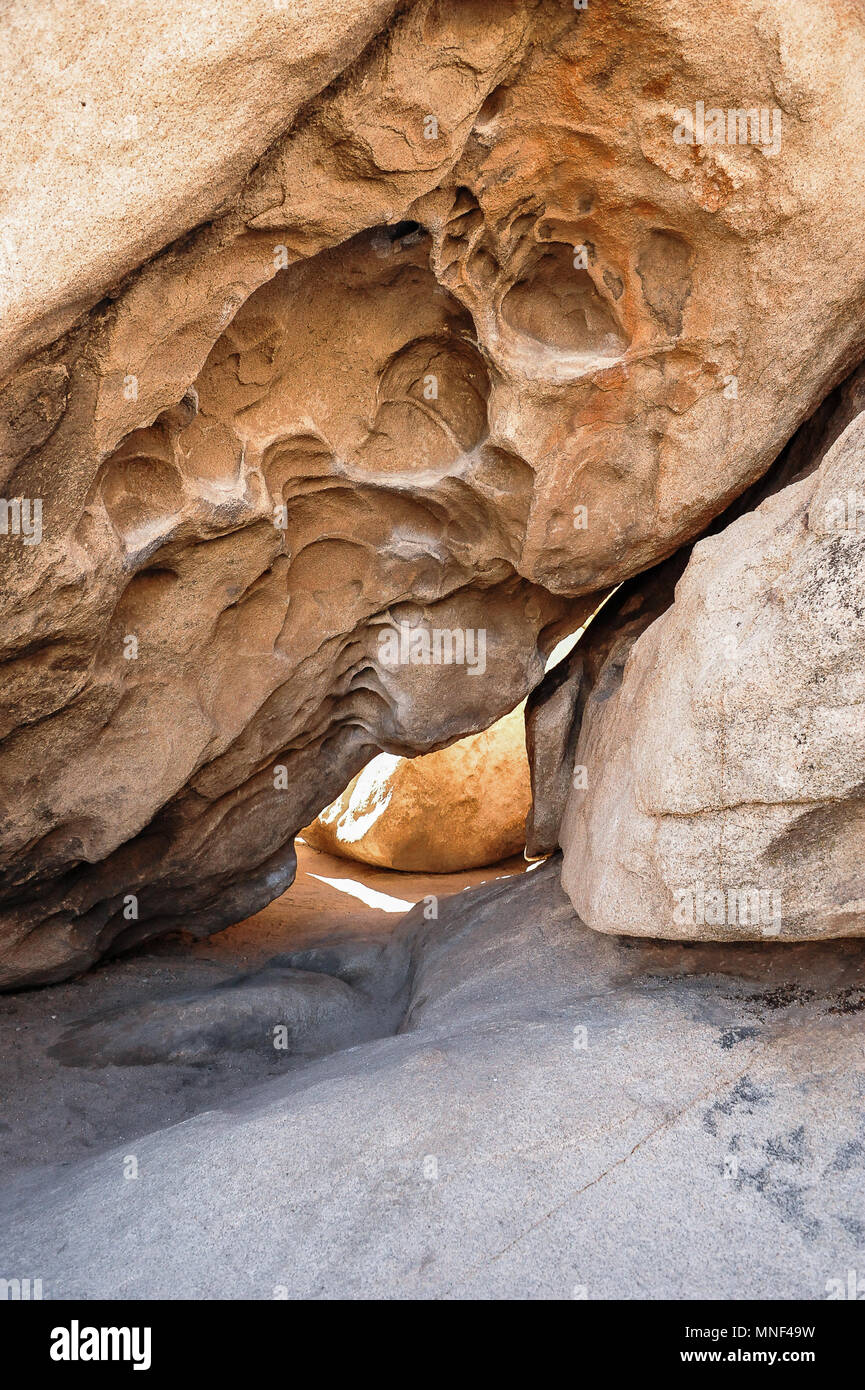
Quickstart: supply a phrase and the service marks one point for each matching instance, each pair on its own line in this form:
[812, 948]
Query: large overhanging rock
[719, 788]
[479, 335]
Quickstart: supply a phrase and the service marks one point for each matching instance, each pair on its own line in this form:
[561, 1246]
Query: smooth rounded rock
[461, 808]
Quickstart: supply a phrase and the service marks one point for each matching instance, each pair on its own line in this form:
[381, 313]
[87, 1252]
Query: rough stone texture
[725, 748]
[125, 127]
[555, 708]
[462, 808]
[280, 354]
[562, 1114]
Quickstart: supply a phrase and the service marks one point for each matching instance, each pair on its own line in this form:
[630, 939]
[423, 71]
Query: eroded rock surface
[126, 129]
[472, 287]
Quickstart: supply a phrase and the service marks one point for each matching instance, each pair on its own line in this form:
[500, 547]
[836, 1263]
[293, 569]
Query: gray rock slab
[562, 1115]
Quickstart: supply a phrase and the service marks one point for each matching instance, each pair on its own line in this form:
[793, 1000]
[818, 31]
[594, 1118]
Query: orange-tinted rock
[456, 341]
[461, 808]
